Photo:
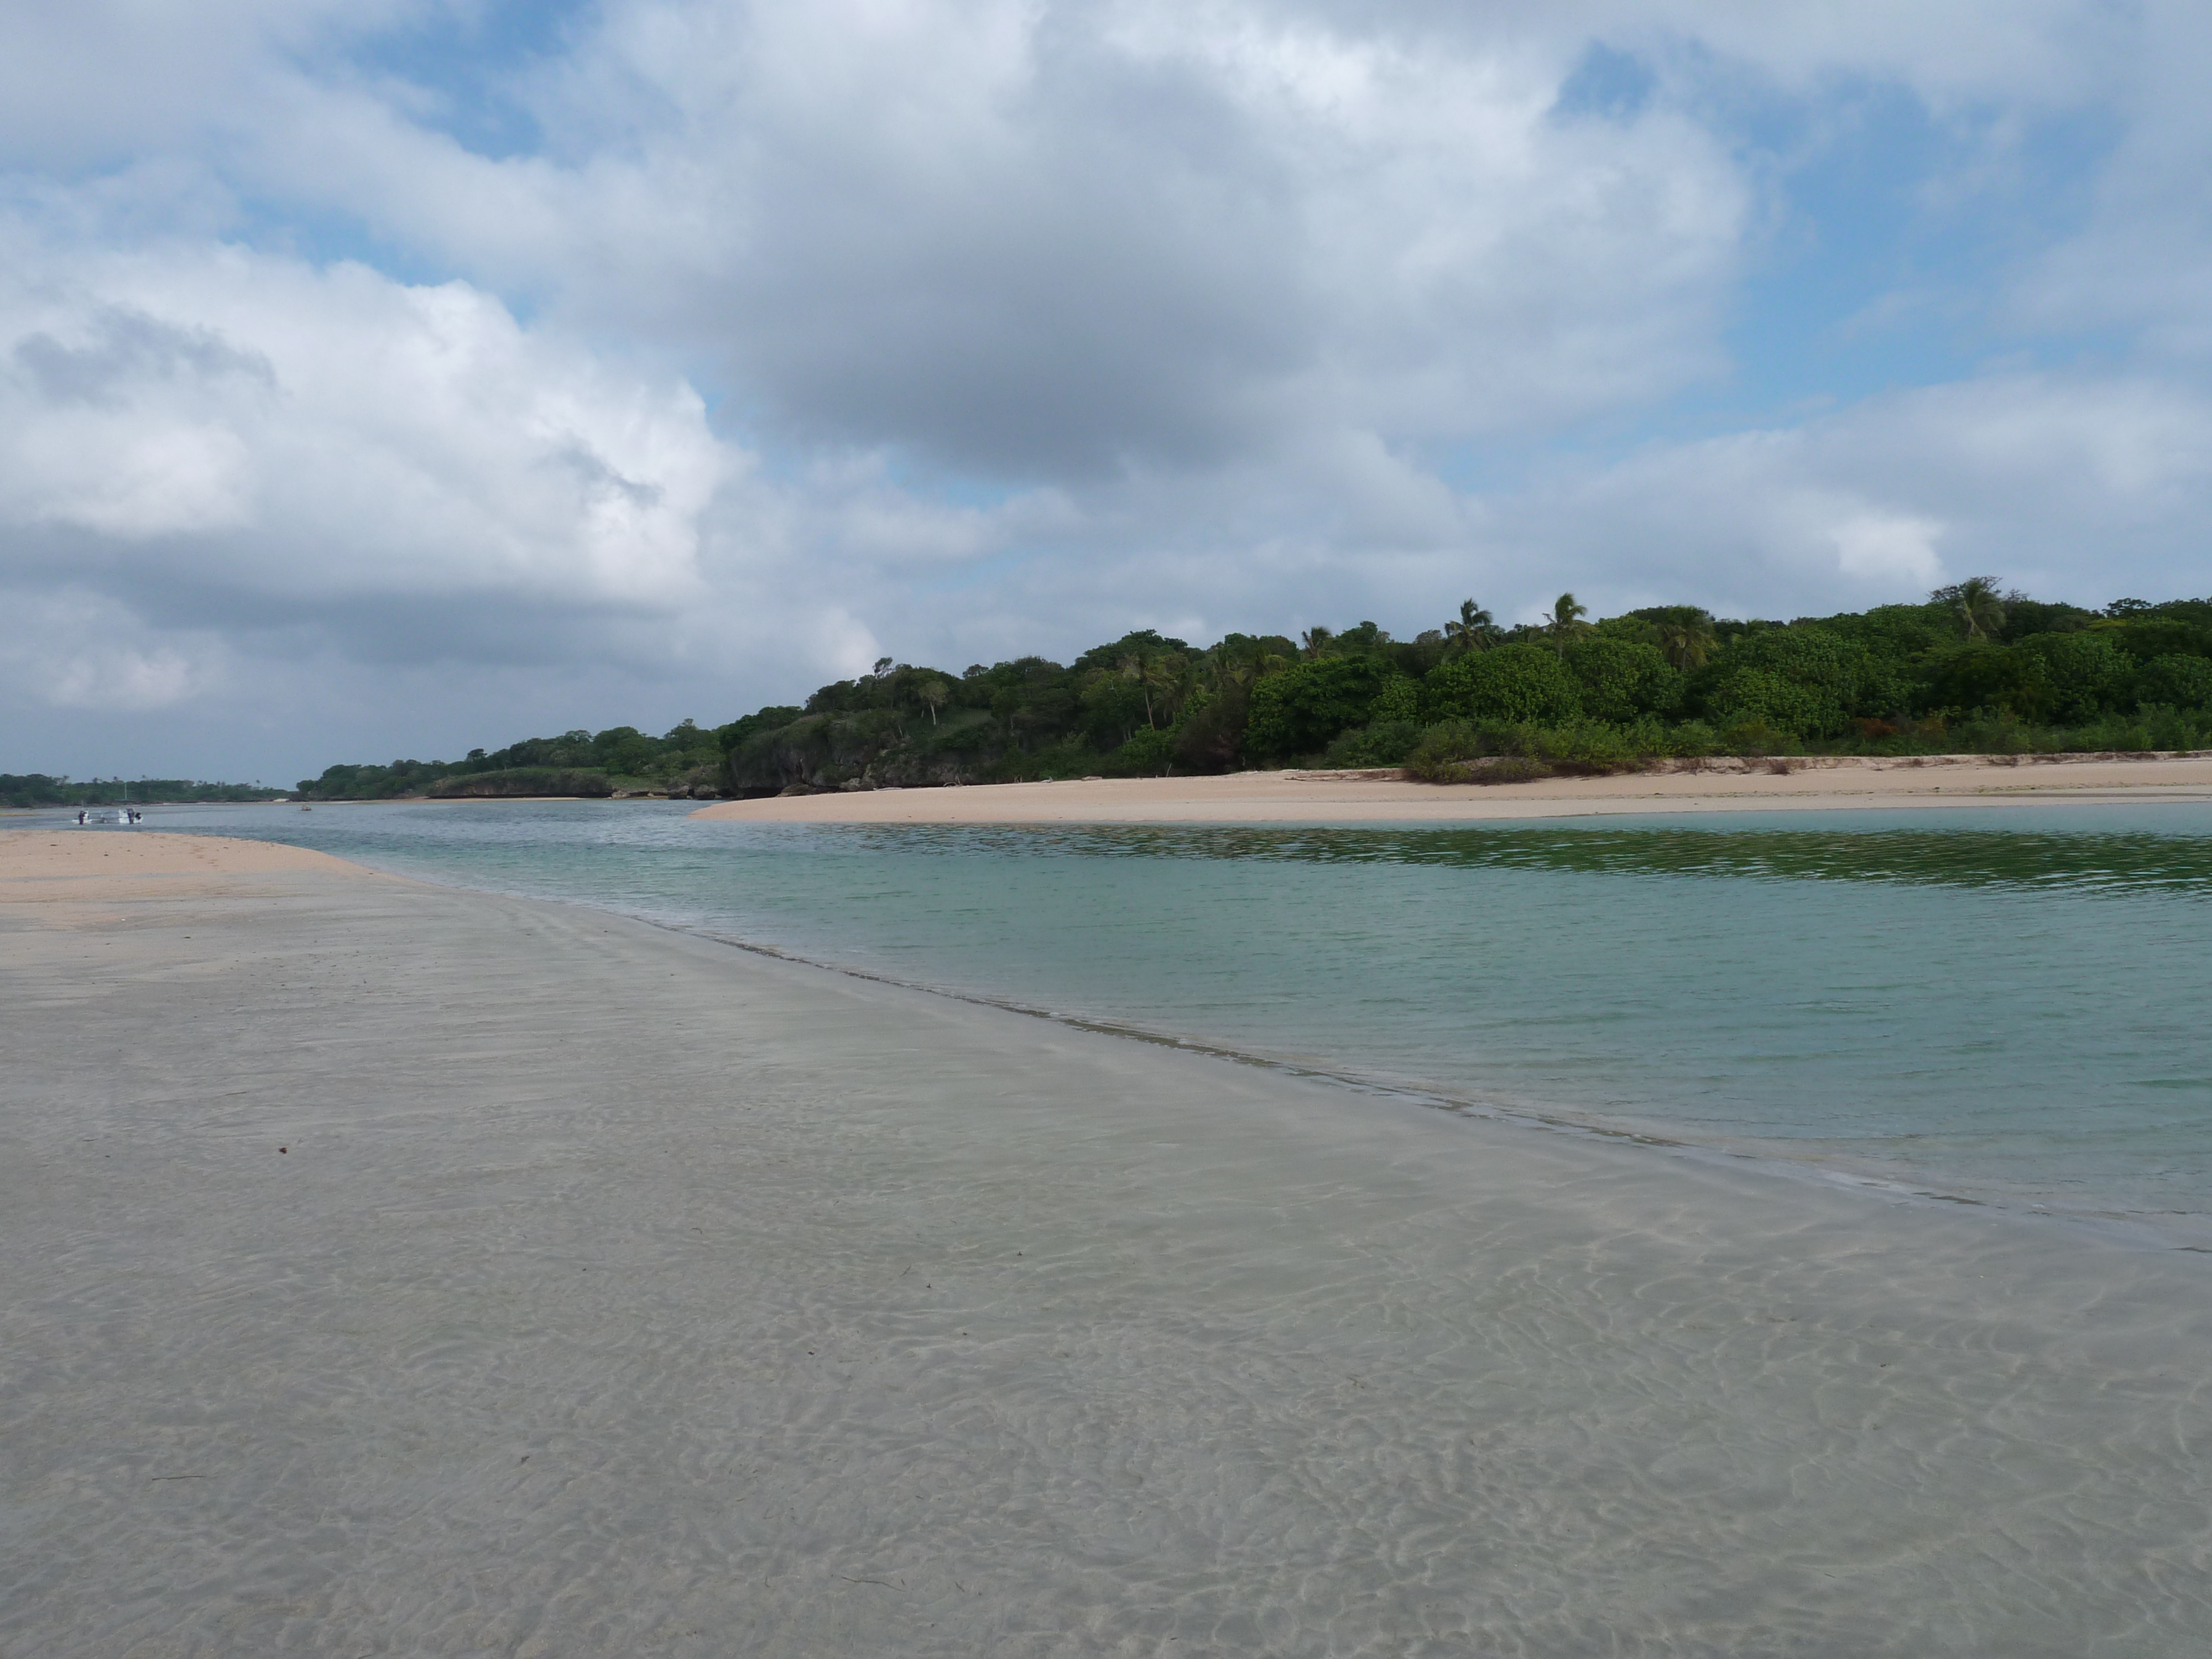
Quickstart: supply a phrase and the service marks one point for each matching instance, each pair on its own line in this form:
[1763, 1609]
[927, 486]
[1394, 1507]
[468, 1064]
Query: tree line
[37, 789]
[620, 760]
[1972, 668]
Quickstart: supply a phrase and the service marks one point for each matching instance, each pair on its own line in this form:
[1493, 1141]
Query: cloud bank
[405, 376]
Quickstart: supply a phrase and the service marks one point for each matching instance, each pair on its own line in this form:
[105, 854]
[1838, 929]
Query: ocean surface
[2005, 1005]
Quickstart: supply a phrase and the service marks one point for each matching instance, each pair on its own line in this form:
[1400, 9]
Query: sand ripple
[619, 1294]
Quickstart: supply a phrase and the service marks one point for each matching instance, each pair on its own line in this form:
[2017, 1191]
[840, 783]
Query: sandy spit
[70, 868]
[1817, 784]
[397, 1270]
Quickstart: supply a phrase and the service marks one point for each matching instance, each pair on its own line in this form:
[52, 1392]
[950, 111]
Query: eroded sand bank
[1821, 784]
[395, 1270]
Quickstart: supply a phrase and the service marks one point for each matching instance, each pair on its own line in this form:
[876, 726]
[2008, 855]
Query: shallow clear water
[2006, 1004]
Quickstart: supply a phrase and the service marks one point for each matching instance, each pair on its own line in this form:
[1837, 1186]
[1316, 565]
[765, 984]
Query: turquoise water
[2007, 1003]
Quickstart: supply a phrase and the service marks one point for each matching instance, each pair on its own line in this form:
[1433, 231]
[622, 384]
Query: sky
[390, 378]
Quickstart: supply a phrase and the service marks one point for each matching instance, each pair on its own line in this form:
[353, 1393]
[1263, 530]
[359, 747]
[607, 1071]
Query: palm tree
[1317, 641]
[1565, 621]
[1132, 668]
[1168, 675]
[1223, 667]
[1239, 663]
[1977, 606]
[1474, 630]
[1163, 672]
[1686, 643]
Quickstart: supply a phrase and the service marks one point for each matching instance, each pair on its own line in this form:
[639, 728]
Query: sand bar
[397, 1270]
[1817, 784]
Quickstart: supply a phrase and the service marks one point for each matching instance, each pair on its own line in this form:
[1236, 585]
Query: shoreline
[144, 854]
[423, 1268]
[1742, 1152]
[1827, 783]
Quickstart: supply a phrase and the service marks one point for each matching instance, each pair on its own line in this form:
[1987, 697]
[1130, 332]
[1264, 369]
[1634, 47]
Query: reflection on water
[2005, 1002]
[2087, 861]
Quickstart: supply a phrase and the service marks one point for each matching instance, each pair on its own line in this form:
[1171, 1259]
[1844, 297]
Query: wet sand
[1822, 784]
[398, 1270]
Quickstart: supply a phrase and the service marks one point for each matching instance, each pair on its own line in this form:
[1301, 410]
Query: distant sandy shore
[1822, 784]
[397, 1269]
[111, 856]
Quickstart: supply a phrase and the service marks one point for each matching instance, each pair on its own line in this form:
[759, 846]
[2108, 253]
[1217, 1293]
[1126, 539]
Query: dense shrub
[1441, 747]
[1148, 754]
[2177, 681]
[1512, 682]
[1398, 703]
[1446, 750]
[2067, 677]
[1758, 699]
[1803, 681]
[2148, 638]
[1386, 743]
[1210, 736]
[1299, 710]
[1623, 679]
[524, 780]
[2083, 675]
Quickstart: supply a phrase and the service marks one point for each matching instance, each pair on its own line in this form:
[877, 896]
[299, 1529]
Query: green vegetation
[1971, 669]
[620, 760]
[36, 789]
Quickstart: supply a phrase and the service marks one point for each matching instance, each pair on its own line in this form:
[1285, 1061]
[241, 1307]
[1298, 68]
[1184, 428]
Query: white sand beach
[393, 1269]
[1819, 784]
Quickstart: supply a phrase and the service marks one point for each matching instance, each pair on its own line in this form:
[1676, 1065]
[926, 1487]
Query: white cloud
[1024, 322]
[1039, 241]
[104, 676]
[96, 81]
[2140, 258]
[249, 429]
[75, 649]
[1888, 547]
[134, 479]
[2066, 485]
[1948, 50]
